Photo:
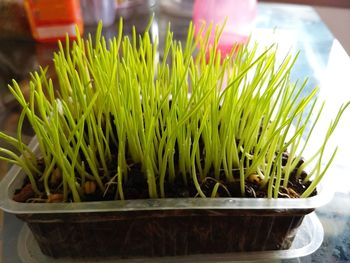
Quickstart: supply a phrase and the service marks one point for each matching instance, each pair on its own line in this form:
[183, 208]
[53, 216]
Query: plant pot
[159, 227]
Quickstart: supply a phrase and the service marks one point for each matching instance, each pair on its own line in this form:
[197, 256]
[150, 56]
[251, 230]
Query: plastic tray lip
[311, 221]
[14, 177]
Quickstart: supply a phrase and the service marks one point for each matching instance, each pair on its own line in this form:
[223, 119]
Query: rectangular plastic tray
[159, 227]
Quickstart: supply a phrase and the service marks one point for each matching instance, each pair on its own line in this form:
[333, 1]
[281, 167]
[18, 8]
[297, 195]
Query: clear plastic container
[131, 9]
[190, 225]
[98, 10]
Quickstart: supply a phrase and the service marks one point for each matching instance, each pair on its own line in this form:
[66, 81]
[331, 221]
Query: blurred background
[14, 22]
[24, 24]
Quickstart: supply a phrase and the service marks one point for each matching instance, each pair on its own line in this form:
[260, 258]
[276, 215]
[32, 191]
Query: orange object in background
[51, 20]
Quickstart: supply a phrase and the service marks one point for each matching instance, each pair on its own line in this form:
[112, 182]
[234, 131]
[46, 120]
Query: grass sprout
[195, 117]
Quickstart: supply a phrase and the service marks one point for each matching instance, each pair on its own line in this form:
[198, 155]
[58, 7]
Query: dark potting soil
[135, 187]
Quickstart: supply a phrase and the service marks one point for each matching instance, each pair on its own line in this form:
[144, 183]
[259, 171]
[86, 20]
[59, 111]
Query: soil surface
[136, 188]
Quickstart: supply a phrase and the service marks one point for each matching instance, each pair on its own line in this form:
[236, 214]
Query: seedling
[194, 119]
